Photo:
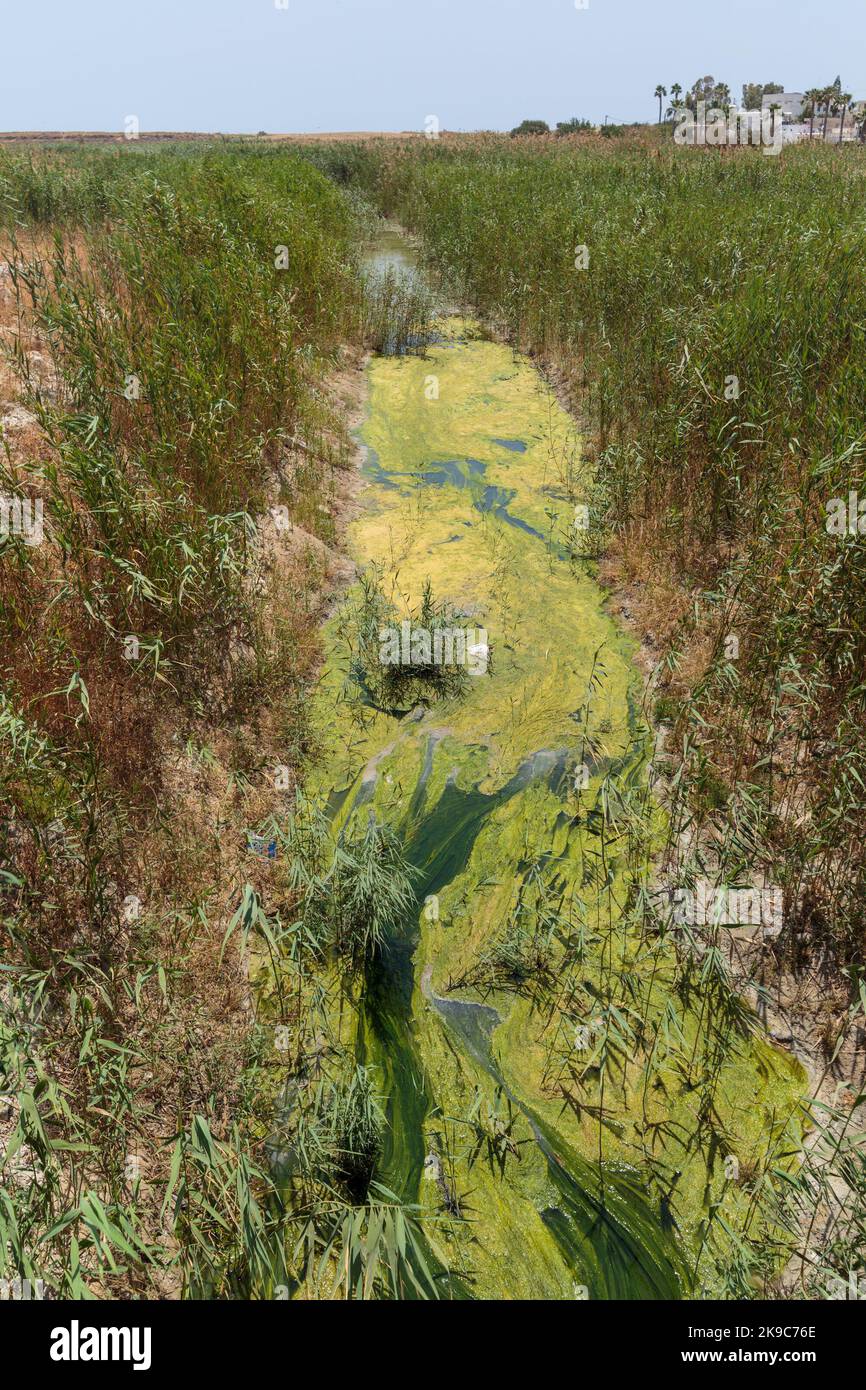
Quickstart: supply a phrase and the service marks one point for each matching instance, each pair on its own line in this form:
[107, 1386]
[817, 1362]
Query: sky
[330, 65]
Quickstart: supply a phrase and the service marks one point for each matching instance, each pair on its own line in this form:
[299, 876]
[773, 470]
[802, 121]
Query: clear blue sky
[245, 65]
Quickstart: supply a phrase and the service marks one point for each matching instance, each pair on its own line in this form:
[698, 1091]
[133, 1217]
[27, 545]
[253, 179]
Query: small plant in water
[398, 663]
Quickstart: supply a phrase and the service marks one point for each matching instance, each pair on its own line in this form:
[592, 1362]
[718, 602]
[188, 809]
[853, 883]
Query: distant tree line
[575, 126]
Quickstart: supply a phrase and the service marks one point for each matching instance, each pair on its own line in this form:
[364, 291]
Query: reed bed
[172, 321]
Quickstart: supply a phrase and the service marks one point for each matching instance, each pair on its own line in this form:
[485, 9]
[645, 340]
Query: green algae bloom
[551, 1097]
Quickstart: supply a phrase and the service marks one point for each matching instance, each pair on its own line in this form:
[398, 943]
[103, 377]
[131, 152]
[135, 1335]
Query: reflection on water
[391, 251]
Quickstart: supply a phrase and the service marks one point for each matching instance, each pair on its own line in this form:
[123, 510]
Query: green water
[467, 484]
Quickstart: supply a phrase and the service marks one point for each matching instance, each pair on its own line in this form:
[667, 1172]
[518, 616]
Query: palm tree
[844, 98]
[813, 97]
[826, 98]
[676, 93]
[660, 92]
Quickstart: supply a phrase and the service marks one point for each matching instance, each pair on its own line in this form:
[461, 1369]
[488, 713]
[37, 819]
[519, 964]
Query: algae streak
[563, 1117]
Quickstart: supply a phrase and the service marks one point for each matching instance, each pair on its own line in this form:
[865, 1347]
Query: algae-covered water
[502, 799]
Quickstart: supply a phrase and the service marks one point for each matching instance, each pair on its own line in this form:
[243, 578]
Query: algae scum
[543, 1118]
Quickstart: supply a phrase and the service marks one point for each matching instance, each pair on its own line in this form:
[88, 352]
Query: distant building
[792, 104]
[794, 131]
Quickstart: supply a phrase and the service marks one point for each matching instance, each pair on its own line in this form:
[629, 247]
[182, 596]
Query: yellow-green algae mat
[464, 450]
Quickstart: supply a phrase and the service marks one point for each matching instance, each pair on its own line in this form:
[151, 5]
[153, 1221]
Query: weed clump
[398, 661]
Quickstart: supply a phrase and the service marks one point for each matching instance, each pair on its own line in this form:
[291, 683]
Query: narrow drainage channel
[466, 487]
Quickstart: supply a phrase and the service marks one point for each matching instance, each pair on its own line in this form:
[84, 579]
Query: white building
[792, 104]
